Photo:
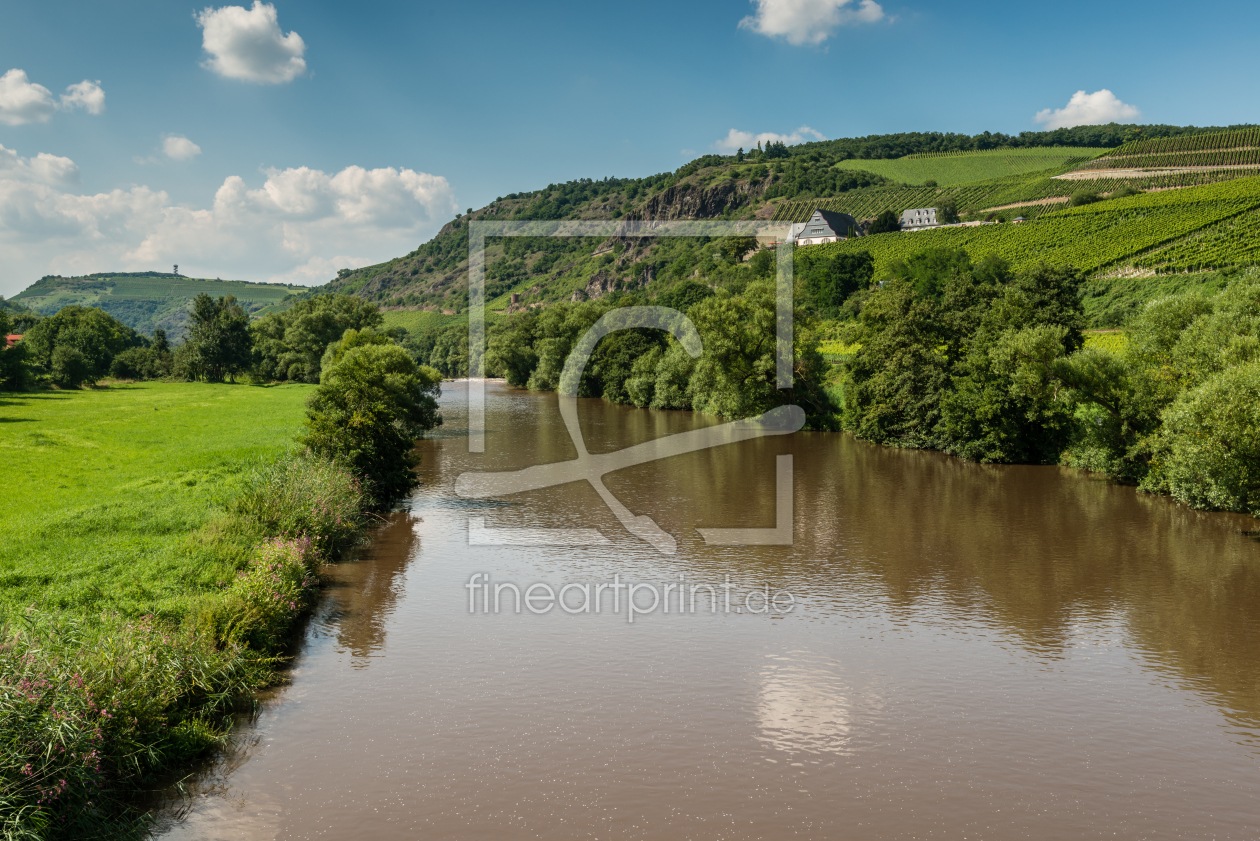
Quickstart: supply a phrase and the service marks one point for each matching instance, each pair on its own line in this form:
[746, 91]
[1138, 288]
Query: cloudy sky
[285, 141]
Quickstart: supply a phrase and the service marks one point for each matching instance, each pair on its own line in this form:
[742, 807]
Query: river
[973, 652]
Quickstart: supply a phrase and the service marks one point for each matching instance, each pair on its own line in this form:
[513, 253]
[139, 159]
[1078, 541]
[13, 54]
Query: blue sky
[284, 141]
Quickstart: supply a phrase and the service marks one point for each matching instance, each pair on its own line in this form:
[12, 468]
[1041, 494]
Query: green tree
[94, 333]
[734, 248]
[141, 363]
[736, 375]
[1207, 452]
[368, 411]
[830, 281]
[947, 211]
[14, 372]
[70, 368]
[885, 223]
[218, 337]
[289, 345]
[762, 263]
[1083, 197]
[683, 296]
[352, 339]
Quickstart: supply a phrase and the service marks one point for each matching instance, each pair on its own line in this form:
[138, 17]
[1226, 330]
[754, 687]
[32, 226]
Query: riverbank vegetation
[989, 364]
[156, 568]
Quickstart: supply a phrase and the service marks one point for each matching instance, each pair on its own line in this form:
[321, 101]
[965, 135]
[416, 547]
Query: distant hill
[145, 301]
[985, 174]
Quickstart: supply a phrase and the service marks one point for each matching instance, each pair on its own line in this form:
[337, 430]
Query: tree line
[990, 365]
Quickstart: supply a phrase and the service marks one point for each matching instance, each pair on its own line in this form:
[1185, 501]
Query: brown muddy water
[975, 653]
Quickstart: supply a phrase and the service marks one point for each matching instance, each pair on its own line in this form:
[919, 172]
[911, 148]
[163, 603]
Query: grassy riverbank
[161, 544]
[104, 487]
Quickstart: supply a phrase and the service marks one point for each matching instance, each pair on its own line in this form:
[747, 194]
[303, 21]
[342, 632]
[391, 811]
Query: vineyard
[1093, 237]
[954, 168]
[1234, 242]
[1164, 160]
[1190, 144]
[867, 204]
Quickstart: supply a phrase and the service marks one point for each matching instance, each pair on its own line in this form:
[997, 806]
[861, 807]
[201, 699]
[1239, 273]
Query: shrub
[139, 364]
[306, 495]
[268, 595]
[1083, 197]
[885, 223]
[70, 368]
[1207, 453]
[91, 710]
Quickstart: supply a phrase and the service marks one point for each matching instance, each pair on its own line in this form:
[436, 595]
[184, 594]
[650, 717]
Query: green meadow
[108, 492]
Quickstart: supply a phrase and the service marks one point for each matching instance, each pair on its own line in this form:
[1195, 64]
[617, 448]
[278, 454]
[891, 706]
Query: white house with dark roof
[825, 226]
[918, 219]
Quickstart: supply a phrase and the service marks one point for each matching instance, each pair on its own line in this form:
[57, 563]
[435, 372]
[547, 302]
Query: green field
[147, 301]
[954, 168]
[105, 488]
[1093, 237]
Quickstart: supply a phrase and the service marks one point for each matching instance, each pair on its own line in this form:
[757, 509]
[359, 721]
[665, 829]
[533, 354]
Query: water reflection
[368, 587]
[804, 707]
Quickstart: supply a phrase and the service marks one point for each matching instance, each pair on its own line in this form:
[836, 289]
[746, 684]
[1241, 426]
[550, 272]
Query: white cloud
[247, 44]
[44, 168]
[1088, 109]
[86, 95]
[179, 148]
[24, 101]
[808, 21]
[298, 226]
[746, 139]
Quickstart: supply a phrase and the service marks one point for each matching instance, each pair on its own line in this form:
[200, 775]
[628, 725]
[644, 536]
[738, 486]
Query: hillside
[951, 168]
[1193, 229]
[987, 176]
[145, 301]
[862, 176]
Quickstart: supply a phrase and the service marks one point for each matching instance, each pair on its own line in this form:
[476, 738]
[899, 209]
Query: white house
[918, 219]
[825, 226]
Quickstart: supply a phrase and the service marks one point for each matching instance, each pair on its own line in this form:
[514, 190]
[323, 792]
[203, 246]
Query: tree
[947, 211]
[734, 248]
[289, 345]
[739, 156]
[218, 337]
[885, 223]
[93, 332]
[1083, 197]
[762, 263]
[141, 363]
[683, 296]
[829, 282]
[368, 411]
[14, 374]
[736, 376]
[70, 368]
[1208, 449]
[351, 339]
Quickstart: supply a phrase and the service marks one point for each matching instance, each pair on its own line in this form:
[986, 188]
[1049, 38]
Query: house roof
[12, 339]
[829, 223]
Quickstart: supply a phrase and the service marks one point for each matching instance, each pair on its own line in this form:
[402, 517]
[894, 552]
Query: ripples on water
[977, 652]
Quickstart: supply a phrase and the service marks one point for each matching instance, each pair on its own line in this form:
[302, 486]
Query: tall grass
[93, 709]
